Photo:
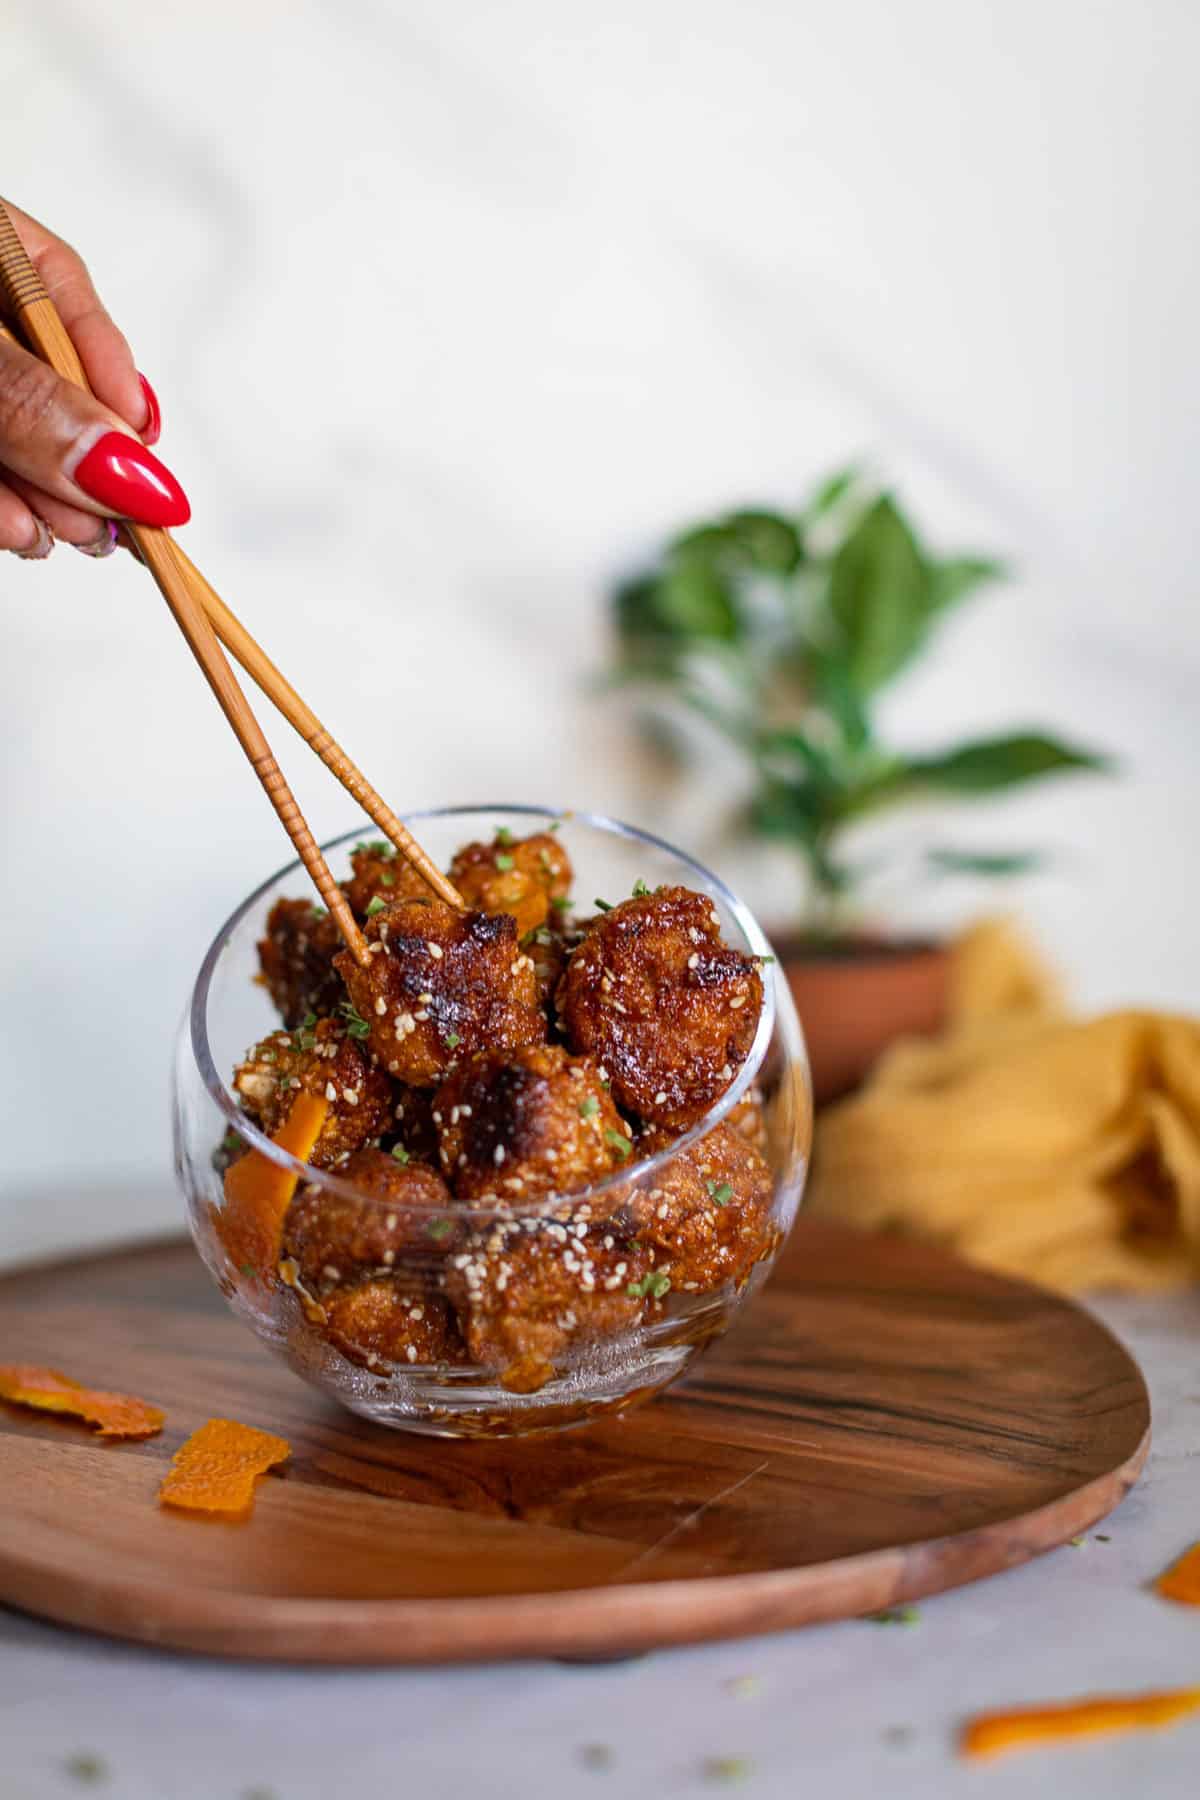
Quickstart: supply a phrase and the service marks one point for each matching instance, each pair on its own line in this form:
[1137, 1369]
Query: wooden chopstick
[203, 616]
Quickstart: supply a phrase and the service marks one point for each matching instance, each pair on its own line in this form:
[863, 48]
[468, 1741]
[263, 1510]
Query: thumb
[59, 437]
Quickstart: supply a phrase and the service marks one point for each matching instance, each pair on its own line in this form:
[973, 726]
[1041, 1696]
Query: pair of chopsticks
[207, 623]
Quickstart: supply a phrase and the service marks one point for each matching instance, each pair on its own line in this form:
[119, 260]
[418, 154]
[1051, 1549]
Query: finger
[20, 529]
[103, 351]
[69, 524]
[61, 439]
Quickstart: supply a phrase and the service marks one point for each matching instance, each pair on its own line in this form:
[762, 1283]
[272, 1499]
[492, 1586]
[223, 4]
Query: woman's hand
[70, 463]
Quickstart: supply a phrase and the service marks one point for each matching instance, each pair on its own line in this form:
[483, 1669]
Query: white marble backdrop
[452, 308]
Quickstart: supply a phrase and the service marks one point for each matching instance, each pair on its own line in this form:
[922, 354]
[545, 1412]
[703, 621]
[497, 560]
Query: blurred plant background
[781, 632]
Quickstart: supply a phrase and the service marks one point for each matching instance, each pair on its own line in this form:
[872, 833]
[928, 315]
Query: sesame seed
[738, 1000]
[411, 1353]
[389, 1257]
[435, 950]
[660, 1099]
[693, 961]
[498, 1154]
[380, 1007]
[390, 1221]
[330, 1091]
[424, 999]
[350, 1096]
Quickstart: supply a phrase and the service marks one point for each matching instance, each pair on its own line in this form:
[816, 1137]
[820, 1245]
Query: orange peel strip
[113, 1415]
[258, 1192]
[216, 1469]
[990, 1733]
[1182, 1580]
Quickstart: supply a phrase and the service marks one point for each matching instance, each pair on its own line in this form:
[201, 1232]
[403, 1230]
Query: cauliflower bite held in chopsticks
[514, 1124]
[296, 959]
[527, 1290]
[379, 876]
[521, 876]
[708, 1213]
[668, 1010]
[320, 1057]
[439, 985]
[404, 1220]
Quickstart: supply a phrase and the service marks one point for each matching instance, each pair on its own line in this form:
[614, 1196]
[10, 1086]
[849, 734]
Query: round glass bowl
[594, 1311]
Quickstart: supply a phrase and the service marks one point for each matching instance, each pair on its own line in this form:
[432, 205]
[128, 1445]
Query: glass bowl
[635, 1326]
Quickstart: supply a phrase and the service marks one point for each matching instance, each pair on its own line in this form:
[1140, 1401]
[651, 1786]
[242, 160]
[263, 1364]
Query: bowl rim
[633, 1173]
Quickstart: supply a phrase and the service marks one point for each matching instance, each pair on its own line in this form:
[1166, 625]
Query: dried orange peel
[1182, 1580]
[113, 1415]
[216, 1469]
[1025, 1729]
[258, 1192]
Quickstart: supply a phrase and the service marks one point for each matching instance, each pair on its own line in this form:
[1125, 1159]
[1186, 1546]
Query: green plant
[782, 632]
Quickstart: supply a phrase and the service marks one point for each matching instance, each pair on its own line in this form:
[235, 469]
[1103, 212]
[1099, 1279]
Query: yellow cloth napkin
[1065, 1150]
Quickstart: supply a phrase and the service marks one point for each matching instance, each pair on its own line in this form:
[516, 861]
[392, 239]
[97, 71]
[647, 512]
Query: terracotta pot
[856, 998]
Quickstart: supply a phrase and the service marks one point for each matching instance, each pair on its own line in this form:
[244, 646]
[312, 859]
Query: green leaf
[954, 577]
[769, 542]
[694, 600]
[879, 596]
[794, 747]
[996, 863]
[837, 692]
[831, 491]
[995, 763]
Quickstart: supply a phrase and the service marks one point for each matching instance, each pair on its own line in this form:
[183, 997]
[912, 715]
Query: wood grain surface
[884, 1423]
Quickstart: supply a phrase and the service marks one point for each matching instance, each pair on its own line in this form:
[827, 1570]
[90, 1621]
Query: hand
[71, 463]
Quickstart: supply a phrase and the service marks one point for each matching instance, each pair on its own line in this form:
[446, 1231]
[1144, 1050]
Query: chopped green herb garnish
[376, 905]
[453, 1040]
[763, 959]
[640, 890]
[505, 862]
[1077, 1543]
[504, 835]
[306, 1040]
[539, 935]
[356, 1025]
[400, 1154]
[554, 825]
[620, 1143]
[308, 1021]
[604, 905]
[318, 912]
[589, 1108]
[896, 1615]
[560, 903]
[386, 878]
[440, 1228]
[376, 847]
[720, 1193]
[86, 1767]
[1101, 1538]
[245, 1268]
[269, 1055]
[655, 1284]
[727, 1768]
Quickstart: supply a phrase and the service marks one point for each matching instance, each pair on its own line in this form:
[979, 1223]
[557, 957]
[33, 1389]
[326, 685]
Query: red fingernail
[123, 475]
[152, 429]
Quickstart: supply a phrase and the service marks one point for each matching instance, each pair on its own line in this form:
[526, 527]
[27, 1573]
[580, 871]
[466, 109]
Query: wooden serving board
[884, 1423]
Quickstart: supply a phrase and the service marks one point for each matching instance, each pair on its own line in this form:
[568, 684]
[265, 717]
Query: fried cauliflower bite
[707, 1216]
[321, 1059]
[667, 1010]
[514, 1124]
[296, 960]
[439, 985]
[378, 1322]
[528, 1291]
[379, 873]
[521, 876]
[402, 1224]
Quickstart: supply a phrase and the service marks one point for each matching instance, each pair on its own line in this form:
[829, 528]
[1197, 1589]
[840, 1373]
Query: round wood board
[884, 1423]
